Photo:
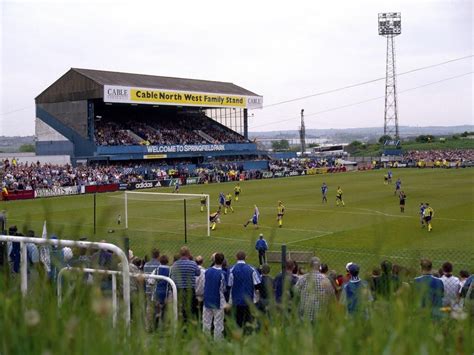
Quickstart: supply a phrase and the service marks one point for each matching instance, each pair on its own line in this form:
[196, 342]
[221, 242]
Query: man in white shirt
[451, 286]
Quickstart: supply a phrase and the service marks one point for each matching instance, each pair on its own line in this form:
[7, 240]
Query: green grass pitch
[369, 228]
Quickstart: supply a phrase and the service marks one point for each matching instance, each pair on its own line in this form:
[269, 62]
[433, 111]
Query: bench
[298, 256]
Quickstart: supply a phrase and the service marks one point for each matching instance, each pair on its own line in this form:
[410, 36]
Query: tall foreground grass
[35, 325]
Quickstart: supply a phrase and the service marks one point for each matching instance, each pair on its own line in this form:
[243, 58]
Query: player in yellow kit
[280, 213]
[214, 219]
[228, 202]
[339, 197]
[203, 203]
[428, 214]
[237, 191]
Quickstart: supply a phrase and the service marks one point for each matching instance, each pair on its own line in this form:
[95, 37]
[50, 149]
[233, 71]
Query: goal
[170, 204]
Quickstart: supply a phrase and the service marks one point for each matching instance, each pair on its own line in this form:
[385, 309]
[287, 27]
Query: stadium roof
[82, 84]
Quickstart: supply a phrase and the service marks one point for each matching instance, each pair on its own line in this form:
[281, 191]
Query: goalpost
[162, 196]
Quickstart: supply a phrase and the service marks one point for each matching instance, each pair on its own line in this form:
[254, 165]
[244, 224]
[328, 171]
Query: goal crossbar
[179, 196]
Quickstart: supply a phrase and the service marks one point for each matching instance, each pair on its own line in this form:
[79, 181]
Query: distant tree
[313, 145]
[425, 138]
[384, 138]
[280, 145]
[466, 134]
[455, 137]
[354, 146]
[27, 148]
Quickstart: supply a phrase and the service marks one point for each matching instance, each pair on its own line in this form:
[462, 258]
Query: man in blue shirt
[356, 293]
[261, 246]
[212, 285]
[430, 289]
[183, 272]
[242, 280]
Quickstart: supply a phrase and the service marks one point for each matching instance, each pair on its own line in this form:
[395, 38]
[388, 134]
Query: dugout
[69, 111]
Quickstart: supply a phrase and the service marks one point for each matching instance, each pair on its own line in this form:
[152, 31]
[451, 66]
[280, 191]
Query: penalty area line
[305, 239]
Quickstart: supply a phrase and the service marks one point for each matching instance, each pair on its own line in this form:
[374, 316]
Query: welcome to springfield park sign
[178, 148]
[132, 95]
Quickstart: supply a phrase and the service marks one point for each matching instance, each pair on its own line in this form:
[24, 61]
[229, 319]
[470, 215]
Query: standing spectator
[356, 293]
[315, 292]
[265, 289]
[261, 246]
[463, 276]
[183, 273]
[212, 285]
[151, 267]
[386, 284]
[3, 222]
[452, 285]
[284, 283]
[162, 287]
[429, 289]
[199, 295]
[465, 288]
[242, 280]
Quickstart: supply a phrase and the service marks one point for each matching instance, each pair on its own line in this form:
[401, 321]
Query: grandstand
[93, 115]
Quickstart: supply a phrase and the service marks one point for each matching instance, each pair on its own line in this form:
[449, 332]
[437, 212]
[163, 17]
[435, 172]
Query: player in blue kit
[422, 214]
[324, 192]
[254, 219]
[398, 186]
[221, 201]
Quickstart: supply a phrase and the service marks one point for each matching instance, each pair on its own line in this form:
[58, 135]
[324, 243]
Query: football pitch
[369, 228]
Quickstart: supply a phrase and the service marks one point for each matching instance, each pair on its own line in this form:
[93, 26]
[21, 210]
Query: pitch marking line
[305, 239]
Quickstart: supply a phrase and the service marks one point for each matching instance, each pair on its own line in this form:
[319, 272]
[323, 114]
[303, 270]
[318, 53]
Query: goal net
[175, 213]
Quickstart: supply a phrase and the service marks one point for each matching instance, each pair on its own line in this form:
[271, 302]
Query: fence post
[185, 223]
[95, 210]
[126, 246]
[283, 258]
[24, 268]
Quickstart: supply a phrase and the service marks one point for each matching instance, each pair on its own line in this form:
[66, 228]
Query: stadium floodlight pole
[390, 25]
[302, 133]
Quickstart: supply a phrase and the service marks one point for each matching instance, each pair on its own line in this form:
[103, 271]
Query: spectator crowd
[217, 290]
[300, 164]
[437, 155]
[184, 129]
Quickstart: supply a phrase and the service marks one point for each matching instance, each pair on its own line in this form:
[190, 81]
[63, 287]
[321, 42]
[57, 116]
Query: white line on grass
[305, 239]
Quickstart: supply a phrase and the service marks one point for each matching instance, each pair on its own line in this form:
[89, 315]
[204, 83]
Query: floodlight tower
[302, 133]
[390, 25]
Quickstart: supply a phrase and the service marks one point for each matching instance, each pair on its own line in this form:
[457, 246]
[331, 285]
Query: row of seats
[190, 129]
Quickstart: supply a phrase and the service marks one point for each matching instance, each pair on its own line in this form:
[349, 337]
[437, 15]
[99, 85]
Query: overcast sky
[279, 49]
